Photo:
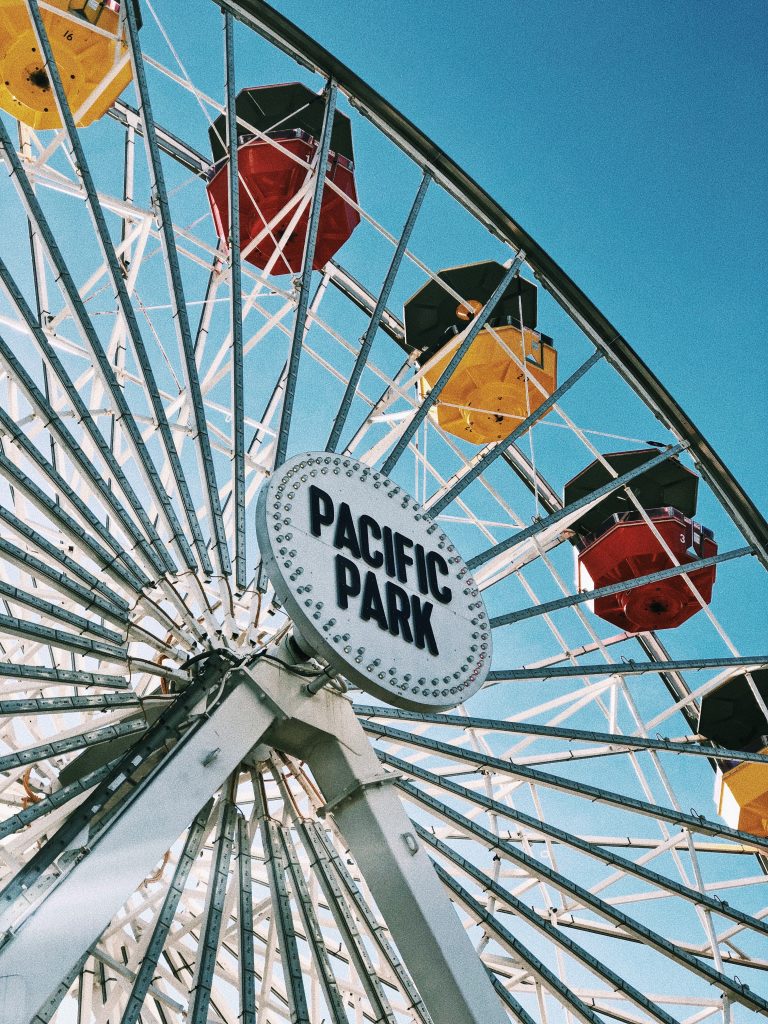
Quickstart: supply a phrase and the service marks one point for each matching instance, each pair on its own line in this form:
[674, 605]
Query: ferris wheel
[373, 629]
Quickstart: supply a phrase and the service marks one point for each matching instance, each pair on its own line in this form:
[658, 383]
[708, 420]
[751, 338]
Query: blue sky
[630, 139]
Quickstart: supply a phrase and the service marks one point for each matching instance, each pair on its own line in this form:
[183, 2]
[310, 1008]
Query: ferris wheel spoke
[47, 804]
[162, 925]
[210, 929]
[602, 908]
[372, 924]
[150, 550]
[281, 444]
[78, 644]
[179, 306]
[312, 929]
[86, 589]
[565, 516]
[441, 499]
[615, 588]
[337, 900]
[36, 676]
[281, 905]
[236, 308]
[115, 273]
[51, 359]
[570, 839]
[625, 668]
[553, 984]
[376, 316]
[497, 726]
[692, 822]
[477, 325]
[521, 910]
[119, 565]
[70, 589]
[48, 610]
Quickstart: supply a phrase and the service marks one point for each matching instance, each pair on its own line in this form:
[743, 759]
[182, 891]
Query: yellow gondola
[733, 716]
[90, 53]
[509, 369]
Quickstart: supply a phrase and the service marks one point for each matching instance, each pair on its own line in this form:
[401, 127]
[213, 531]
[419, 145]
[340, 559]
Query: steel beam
[500, 726]
[236, 308]
[692, 822]
[246, 964]
[313, 931]
[178, 302]
[281, 909]
[626, 668]
[484, 461]
[281, 445]
[115, 273]
[213, 913]
[551, 832]
[378, 313]
[617, 588]
[267, 702]
[43, 948]
[565, 516]
[445, 967]
[164, 919]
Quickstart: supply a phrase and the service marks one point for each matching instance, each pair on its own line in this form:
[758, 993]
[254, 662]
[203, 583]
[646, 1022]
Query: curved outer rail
[297, 44]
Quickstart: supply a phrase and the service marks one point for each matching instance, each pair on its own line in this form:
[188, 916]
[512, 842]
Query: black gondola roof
[731, 716]
[279, 108]
[668, 484]
[432, 314]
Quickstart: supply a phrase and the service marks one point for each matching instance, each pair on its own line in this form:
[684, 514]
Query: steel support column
[432, 941]
[45, 946]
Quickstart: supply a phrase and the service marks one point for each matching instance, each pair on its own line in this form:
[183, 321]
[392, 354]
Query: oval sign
[373, 586]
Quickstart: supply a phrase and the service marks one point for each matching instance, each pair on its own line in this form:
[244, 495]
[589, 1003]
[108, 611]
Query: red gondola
[279, 128]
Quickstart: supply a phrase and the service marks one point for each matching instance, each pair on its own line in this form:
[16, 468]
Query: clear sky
[630, 138]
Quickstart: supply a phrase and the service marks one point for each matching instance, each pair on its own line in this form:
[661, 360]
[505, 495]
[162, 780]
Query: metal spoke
[521, 910]
[176, 288]
[208, 947]
[127, 312]
[548, 978]
[281, 446]
[165, 916]
[236, 308]
[625, 668]
[281, 906]
[486, 459]
[568, 514]
[345, 922]
[694, 822]
[568, 839]
[313, 931]
[88, 590]
[376, 316]
[737, 990]
[585, 735]
[618, 588]
[247, 965]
